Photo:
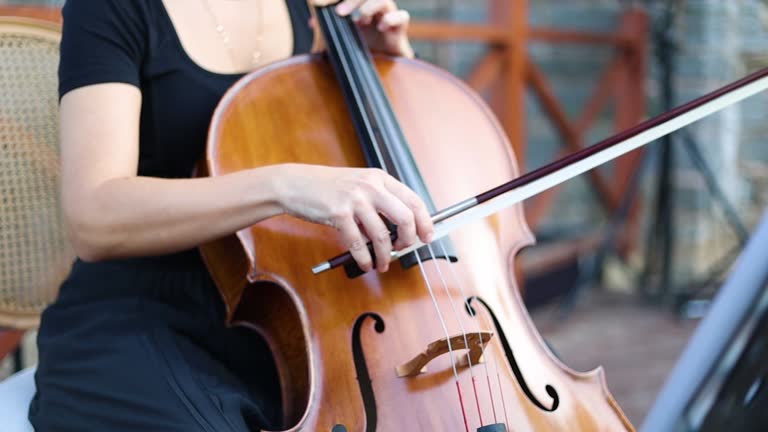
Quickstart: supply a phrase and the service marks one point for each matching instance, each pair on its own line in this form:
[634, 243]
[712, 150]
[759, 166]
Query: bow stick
[535, 182]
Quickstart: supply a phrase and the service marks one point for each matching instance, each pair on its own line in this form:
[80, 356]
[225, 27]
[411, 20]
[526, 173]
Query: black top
[134, 42]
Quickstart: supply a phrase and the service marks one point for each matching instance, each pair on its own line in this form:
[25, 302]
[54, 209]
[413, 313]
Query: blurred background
[627, 257]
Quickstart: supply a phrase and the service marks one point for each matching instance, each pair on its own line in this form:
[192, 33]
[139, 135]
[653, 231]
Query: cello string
[380, 104]
[342, 32]
[447, 336]
[503, 402]
[342, 38]
[379, 108]
[352, 59]
[463, 330]
[485, 322]
[335, 34]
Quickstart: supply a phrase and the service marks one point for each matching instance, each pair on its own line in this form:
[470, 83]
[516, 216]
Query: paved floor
[636, 344]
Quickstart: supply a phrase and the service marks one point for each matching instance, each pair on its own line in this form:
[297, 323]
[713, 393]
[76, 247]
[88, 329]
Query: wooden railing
[507, 70]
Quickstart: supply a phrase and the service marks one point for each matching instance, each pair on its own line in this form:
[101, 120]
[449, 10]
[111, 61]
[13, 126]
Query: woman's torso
[139, 335]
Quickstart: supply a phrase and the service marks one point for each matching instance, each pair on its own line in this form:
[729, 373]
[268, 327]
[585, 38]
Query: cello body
[343, 345]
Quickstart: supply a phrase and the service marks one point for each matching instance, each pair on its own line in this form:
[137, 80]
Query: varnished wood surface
[9, 341]
[50, 14]
[291, 112]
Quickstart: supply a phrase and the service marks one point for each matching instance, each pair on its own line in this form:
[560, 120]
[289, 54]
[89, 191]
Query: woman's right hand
[352, 200]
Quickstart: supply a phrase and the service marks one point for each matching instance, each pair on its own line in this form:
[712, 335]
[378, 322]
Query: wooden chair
[34, 253]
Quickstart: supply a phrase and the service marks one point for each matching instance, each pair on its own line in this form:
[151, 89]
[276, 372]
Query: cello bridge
[474, 344]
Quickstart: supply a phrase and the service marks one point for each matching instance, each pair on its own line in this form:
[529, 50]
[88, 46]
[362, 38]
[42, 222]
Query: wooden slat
[631, 110]
[570, 136]
[36, 12]
[630, 89]
[487, 70]
[578, 37]
[510, 99]
[450, 31]
[538, 208]
[491, 34]
[545, 257]
[606, 87]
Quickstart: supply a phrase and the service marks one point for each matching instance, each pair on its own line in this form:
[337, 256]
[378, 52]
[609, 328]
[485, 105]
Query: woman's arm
[111, 212]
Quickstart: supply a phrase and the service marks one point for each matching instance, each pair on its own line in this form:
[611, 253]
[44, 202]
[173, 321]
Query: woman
[136, 339]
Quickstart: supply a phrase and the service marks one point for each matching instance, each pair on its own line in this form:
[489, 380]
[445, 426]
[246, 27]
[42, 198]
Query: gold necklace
[224, 35]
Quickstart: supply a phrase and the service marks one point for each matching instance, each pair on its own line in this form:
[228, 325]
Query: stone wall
[719, 42]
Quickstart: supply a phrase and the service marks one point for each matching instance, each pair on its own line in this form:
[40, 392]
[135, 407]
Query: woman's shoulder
[117, 15]
[108, 7]
[131, 20]
[103, 41]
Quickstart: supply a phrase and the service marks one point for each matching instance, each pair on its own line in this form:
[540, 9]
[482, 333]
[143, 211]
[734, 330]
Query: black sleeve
[102, 41]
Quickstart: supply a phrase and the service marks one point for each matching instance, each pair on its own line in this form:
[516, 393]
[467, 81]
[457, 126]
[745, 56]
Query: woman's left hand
[383, 24]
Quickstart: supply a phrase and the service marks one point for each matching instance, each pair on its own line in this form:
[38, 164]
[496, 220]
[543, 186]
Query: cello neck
[381, 138]
[379, 133]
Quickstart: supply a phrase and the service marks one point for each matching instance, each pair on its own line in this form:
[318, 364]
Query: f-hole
[361, 367]
[512, 361]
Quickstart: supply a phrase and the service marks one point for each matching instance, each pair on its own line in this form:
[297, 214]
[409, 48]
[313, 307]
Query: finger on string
[379, 235]
[372, 21]
[372, 8]
[321, 3]
[348, 6]
[394, 19]
[364, 21]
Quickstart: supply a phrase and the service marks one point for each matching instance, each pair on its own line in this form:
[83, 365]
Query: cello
[441, 342]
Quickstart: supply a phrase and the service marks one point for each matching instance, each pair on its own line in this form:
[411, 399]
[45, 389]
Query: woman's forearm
[140, 216]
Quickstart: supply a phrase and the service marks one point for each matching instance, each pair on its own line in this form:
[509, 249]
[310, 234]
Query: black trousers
[141, 345]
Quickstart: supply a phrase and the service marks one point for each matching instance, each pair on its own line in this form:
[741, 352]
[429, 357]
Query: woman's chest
[232, 36]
